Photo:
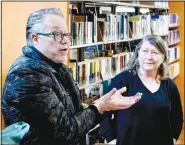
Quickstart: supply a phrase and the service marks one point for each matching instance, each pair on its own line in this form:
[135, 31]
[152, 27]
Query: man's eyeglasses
[57, 36]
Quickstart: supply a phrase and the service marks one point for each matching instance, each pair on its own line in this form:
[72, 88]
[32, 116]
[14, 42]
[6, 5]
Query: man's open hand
[115, 101]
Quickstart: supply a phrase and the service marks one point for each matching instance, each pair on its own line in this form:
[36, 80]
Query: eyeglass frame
[53, 33]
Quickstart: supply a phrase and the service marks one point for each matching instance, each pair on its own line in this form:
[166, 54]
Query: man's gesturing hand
[115, 101]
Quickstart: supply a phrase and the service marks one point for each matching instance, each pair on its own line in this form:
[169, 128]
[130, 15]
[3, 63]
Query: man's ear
[34, 38]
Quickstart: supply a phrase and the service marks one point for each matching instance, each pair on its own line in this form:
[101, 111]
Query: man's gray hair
[35, 19]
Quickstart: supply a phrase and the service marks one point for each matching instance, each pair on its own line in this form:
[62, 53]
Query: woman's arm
[176, 115]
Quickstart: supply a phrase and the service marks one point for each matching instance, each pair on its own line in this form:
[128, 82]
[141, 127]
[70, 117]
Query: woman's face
[150, 58]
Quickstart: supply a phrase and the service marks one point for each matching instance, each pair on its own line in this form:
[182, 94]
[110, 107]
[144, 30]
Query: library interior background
[102, 42]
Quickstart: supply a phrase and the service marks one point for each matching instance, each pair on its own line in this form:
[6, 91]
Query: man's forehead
[55, 22]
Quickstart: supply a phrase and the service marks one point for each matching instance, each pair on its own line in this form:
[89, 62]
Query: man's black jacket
[44, 94]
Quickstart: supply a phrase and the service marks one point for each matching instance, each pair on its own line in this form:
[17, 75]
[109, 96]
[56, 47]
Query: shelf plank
[174, 77]
[174, 60]
[173, 26]
[85, 45]
[100, 58]
[108, 42]
[174, 43]
[130, 5]
[91, 60]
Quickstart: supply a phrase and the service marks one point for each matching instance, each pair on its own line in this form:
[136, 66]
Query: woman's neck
[147, 74]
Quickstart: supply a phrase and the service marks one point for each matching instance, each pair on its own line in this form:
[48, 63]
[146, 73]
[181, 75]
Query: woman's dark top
[155, 120]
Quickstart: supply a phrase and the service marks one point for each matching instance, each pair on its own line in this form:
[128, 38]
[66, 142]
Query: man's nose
[65, 40]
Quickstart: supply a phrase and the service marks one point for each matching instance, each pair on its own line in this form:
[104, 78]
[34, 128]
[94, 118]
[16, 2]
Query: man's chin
[63, 60]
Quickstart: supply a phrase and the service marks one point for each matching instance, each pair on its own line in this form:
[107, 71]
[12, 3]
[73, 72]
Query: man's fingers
[139, 94]
[138, 97]
[118, 101]
[109, 94]
[112, 92]
[130, 98]
[123, 102]
[128, 102]
[122, 90]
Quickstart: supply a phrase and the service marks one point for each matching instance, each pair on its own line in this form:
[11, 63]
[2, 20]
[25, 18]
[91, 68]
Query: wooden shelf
[174, 77]
[129, 5]
[174, 61]
[124, 40]
[85, 45]
[173, 26]
[91, 60]
[111, 41]
[100, 58]
[163, 34]
[174, 43]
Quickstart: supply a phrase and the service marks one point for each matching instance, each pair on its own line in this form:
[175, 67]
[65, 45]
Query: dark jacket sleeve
[32, 92]
[176, 115]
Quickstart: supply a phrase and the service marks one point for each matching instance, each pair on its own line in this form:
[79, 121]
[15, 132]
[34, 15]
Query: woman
[157, 118]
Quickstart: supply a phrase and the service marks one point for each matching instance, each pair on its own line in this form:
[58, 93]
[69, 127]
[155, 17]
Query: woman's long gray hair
[158, 42]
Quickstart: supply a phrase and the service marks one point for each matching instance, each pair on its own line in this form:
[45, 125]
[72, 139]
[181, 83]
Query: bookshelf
[178, 8]
[96, 32]
[152, 5]
[107, 42]
[174, 49]
[174, 26]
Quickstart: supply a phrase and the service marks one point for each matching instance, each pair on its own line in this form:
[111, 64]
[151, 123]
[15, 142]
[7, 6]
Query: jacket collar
[60, 70]
[32, 52]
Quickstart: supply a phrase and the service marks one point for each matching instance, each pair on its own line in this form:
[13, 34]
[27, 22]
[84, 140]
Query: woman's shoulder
[127, 73]
[124, 75]
[170, 83]
[122, 79]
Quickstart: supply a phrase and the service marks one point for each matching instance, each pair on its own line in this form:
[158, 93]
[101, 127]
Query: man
[39, 88]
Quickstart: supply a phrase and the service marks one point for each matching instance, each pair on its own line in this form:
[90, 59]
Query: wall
[178, 7]
[14, 18]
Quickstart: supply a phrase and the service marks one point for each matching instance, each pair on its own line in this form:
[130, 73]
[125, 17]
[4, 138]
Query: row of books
[142, 25]
[174, 70]
[91, 93]
[163, 4]
[159, 24]
[83, 28]
[90, 27]
[95, 91]
[173, 54]
[173, 19]
[95, 70]
[89, 52]
[101, 50]
[173, 37]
